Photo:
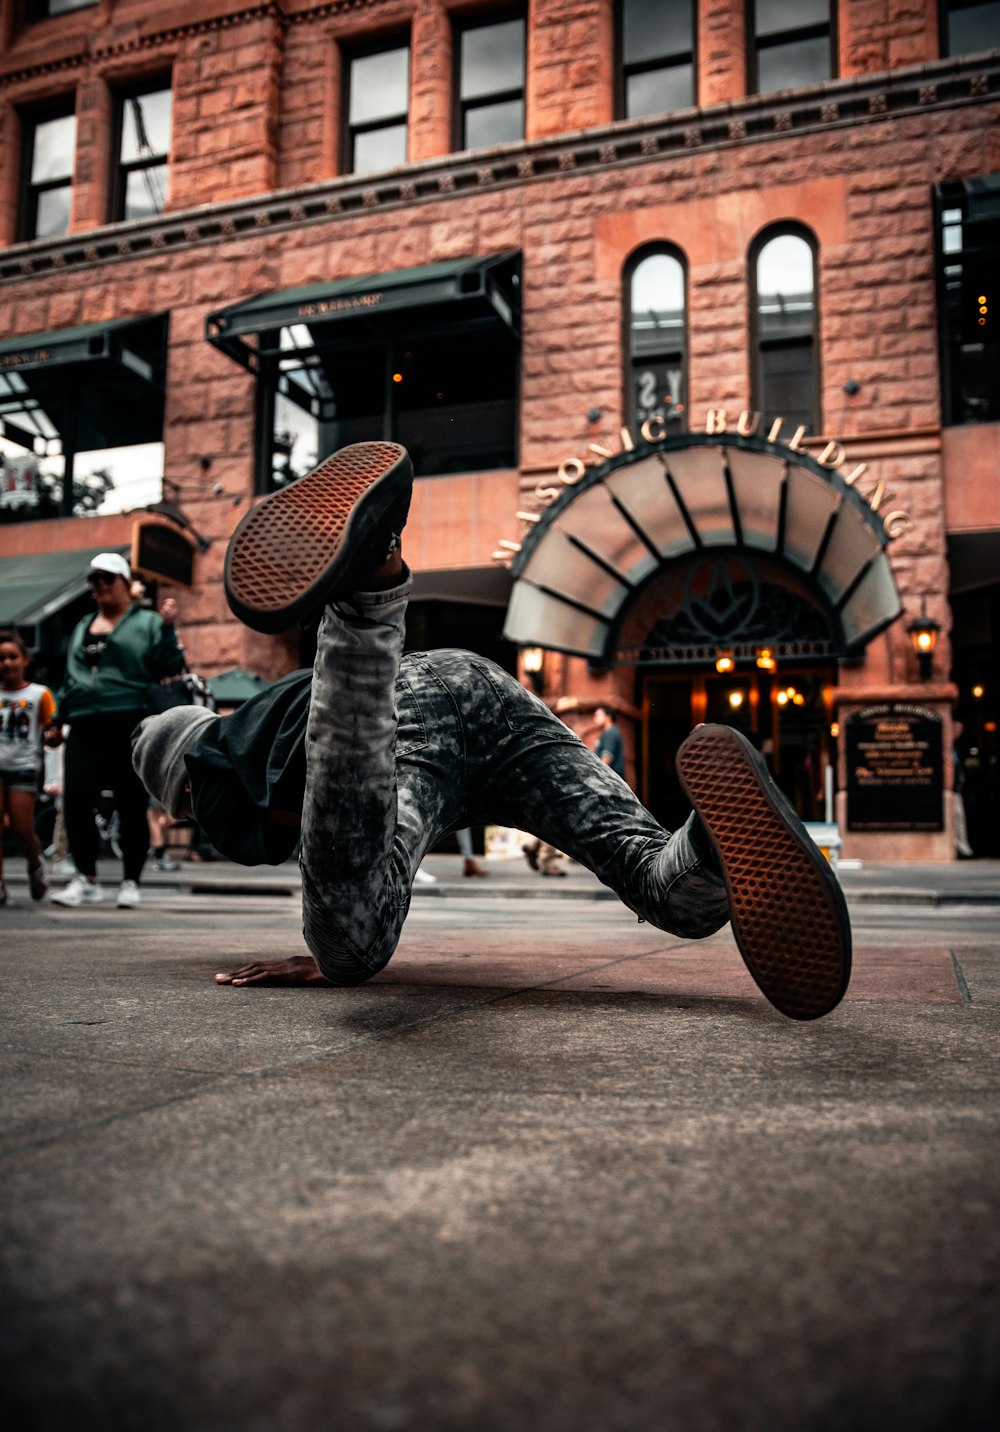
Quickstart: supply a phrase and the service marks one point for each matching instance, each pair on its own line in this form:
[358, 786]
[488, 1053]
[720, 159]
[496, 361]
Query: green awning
[100, 385]
[33, 587]
[402, 301]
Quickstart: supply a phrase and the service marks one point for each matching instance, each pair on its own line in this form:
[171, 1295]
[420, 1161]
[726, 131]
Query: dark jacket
[140, 650]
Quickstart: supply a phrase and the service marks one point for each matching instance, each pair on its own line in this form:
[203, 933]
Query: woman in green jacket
[114, 657]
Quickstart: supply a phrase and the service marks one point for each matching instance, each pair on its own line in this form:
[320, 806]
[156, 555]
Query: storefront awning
[89, 388]
[610, 534]
[33, 587]
[402, 302]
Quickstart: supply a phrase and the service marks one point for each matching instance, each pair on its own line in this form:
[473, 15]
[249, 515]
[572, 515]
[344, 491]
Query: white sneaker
[424, 877]
[79, 891]
[128, 896]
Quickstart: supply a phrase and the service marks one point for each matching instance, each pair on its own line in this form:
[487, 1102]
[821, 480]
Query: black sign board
[163, 552]
[895, 771]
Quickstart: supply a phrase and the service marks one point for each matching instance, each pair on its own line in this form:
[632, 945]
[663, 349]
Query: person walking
[114, 656]
[370, 757]
[610, 747]
[26, 710]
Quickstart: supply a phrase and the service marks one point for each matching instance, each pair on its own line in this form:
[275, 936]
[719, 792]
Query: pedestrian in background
[114, 657]
[610, 747]
[26, 710]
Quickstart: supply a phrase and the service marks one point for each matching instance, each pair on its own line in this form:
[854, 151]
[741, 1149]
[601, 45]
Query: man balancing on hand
[372, 756]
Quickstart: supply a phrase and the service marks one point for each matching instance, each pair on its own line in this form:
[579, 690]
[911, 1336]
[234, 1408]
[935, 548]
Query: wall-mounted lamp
[765, 659]
[923, 631]
[532, 662]
[724, 663]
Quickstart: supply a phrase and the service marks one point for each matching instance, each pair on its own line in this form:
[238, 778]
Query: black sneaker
[317, 539]
[788, 911]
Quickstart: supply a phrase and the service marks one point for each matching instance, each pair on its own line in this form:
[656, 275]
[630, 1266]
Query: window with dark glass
[378, 97]
[969, 26]
[143, 149]
[656, 46]
[490, 84]
[783, 281]
[655, 291]
[42, 9]
[450, 399]
[49, 148]
[967, 214]
[792, 44]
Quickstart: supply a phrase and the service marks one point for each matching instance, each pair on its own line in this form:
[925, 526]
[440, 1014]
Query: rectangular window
[490, 84]
[967, 226]
[47, 167]
[142, 175]
[792, 44]
[378, 98]
[656, 45]
[969, 26]
[43, 9]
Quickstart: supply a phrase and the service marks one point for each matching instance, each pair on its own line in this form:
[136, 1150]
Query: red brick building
[581, 256]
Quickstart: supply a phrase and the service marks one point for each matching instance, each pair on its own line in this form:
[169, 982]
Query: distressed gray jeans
[401, 749]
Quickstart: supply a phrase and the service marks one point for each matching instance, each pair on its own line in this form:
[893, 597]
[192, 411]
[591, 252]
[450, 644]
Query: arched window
[656, 382]
[783, 281]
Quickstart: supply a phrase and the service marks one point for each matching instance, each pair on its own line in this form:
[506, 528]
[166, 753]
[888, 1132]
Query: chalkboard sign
[895, 772]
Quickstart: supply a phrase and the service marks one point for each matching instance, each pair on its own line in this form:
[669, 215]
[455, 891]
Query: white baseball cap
[111, 562]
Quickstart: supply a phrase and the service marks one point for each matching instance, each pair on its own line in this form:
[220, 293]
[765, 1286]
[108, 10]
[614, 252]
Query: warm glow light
[977, 691]
[782, 698]
[736, 699]
[397, 377]
[531, 658]
[724, 663]
[989, 726]
[925, 641]
[799, 699]
[835, 730]
[765, 659]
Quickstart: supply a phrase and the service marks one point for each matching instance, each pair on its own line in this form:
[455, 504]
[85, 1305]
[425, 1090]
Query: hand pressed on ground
[296, 970]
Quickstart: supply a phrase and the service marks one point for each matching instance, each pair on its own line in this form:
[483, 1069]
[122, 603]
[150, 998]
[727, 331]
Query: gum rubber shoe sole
[313, 541]
[788, 912]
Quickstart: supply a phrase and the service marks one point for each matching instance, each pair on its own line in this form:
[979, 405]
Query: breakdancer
[372, 756]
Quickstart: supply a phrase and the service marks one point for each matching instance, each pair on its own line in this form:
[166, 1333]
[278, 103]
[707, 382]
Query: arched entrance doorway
[731, 573]
[736, 637]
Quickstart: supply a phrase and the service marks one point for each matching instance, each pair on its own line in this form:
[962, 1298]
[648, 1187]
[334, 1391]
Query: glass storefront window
[968, 259]
[449, 399]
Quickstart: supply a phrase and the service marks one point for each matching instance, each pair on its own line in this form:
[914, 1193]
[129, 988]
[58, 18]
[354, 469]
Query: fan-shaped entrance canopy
[597, 548]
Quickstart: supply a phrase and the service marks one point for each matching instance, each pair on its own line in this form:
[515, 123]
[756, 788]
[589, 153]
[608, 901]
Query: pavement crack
[963, 984]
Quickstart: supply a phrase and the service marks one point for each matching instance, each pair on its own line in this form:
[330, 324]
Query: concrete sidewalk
[551, 1170]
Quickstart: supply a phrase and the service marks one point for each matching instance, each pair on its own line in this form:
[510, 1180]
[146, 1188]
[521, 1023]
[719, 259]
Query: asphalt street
[552, 1169]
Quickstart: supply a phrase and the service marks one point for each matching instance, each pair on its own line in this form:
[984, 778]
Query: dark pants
[400, 750]
[99, 758]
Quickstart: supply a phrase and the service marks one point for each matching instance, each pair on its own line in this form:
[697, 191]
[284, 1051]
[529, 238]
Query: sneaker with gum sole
[788, 912]
[316, 540]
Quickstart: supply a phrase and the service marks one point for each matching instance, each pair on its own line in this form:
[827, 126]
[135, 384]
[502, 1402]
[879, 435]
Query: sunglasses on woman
[101, 579]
